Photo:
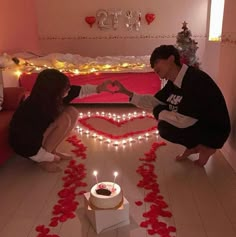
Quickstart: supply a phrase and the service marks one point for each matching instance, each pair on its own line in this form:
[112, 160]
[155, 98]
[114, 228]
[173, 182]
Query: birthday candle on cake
[95, 174]
[115, 175]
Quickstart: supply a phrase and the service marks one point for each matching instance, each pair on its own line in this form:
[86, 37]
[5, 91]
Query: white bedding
[68, 62]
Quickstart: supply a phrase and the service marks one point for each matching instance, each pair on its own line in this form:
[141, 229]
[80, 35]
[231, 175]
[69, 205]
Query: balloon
[150, 17]
[90, 20]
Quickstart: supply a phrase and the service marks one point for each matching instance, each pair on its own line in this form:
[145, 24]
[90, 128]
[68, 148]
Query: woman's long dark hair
[48, 91]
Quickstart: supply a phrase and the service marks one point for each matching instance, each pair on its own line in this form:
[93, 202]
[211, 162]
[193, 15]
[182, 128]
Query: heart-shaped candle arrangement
[89, 124]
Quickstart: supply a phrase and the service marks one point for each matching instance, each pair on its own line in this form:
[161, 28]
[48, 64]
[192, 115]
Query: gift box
[107, 219]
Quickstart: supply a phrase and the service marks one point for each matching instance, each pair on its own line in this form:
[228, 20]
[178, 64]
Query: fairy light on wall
[216, 20]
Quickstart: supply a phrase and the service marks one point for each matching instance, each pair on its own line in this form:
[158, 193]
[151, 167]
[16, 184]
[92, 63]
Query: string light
[84, 69]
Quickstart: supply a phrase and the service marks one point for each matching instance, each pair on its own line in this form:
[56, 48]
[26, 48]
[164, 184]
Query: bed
[133, 72]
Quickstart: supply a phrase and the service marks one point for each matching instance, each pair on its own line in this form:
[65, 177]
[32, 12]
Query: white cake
[106, 195]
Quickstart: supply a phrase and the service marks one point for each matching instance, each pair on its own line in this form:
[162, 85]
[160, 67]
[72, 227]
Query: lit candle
[115, 175]
[94, 135]
[140, 138]
[116, 143]
[95, 174]
[131, 139]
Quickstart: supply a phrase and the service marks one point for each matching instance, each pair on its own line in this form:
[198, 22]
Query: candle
[140, 138]
[95, 174]
[94, 135]
[115, 175]
[116, 143]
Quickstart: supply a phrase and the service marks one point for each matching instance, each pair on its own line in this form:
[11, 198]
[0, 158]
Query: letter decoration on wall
[108, 19]
[102, 19]
[115, 17]
[133, 20]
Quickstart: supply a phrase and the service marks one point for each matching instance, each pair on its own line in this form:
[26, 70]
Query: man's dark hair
[164, 52]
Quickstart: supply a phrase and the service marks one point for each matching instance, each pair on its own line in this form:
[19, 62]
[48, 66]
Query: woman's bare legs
[73, 115]
[56, 133]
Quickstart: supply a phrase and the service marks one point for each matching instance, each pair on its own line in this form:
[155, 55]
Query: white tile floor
[202, 200]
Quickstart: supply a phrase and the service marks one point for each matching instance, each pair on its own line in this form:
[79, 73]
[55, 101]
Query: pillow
[1, 90]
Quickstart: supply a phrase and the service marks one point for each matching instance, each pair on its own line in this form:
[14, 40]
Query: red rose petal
[53, 223]
[139, 203]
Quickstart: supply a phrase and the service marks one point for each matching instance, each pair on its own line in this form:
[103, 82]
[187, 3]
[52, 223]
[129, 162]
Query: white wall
[62, 26]
[211, 57]
[18, 26]
[227, 75]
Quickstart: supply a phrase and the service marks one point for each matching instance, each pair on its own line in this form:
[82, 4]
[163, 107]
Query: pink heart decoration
[150, 17]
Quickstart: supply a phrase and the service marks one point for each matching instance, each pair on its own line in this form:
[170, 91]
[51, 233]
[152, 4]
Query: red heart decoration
[97, 120]
[150, 17]
[90, 20]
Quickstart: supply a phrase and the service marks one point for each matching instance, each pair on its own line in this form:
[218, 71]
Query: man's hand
[122, 89]
[103, 86]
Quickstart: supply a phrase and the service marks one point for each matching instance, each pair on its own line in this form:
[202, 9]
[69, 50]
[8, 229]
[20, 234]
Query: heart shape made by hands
[112, 88]
[150, 17]
[90, 20]
[123, 129]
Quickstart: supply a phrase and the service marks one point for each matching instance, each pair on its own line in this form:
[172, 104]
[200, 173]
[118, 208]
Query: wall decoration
[115, 14]
[141, 36]
[229, 38]
[90, 20]
[133, 20]
[108, 19]
[150, 17]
